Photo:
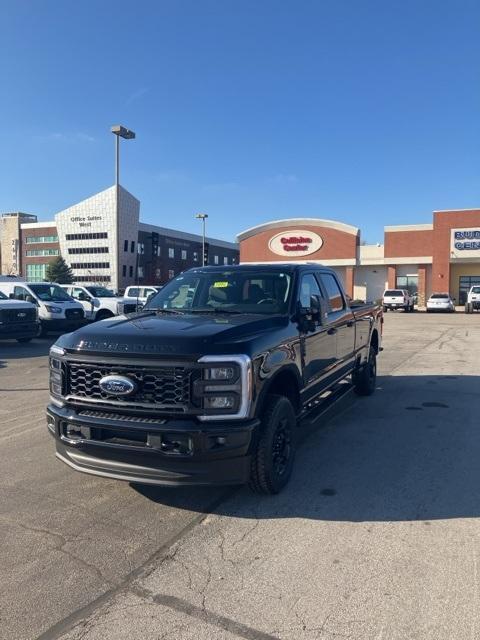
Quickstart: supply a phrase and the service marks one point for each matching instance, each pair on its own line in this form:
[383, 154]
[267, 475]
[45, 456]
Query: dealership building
[443, 256]
[103, 241]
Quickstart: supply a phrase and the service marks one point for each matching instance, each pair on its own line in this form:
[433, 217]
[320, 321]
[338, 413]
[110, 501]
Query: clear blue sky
[362, 111]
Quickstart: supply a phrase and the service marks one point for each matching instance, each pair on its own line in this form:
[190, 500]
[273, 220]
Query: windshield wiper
[175, 311]
[215, 310]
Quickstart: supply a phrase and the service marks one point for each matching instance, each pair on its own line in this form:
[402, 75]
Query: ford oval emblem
[117, 385]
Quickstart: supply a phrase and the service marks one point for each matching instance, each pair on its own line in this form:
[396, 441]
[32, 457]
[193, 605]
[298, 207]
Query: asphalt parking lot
[376, 537]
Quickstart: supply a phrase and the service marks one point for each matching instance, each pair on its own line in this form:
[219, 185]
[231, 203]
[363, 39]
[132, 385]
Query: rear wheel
[273, 457]
[103, 315]
[365, 380]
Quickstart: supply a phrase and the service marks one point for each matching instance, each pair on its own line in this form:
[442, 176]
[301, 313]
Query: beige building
[10, 241]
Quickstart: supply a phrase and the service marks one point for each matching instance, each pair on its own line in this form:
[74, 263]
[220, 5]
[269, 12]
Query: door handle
[332, 331]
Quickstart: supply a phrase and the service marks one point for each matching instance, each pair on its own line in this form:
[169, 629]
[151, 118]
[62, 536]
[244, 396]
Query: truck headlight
[225, 387]
[51, 309]
[56, 371]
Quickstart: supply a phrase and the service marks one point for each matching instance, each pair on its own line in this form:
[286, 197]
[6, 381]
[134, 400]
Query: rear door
[318, 345]
[340, 318]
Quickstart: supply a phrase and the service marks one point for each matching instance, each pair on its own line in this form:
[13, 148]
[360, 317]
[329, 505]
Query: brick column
[392, 276]
[422, 285]
[349, 280]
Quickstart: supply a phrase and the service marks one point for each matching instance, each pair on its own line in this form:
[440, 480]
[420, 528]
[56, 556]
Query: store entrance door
[465, 282]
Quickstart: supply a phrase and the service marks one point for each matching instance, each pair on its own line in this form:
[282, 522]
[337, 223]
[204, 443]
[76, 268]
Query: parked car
[394, 299]
[98, 302]
[136, 296]
[18, 320]
[209, 388]
[440, 302]
[473, 300]
[57, 311]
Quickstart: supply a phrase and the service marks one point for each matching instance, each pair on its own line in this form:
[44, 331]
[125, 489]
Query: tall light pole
[202, 217]
[119, 132]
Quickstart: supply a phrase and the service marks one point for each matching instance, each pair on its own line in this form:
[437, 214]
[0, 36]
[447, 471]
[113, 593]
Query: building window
[42, 252]
[36, 239]
[158, 251]
[410, 283]
[90, 265]
[171, 252]
[78, 250]
[130, 271]
[92, 278]
[225, 260]
[124, 270]
[132, 246]
[171, 274]
[215, 259]
[125, 245]
[87, 236]
[141, 248]
[195, 256]
[140, 272]
[36, 272]
[184, 254]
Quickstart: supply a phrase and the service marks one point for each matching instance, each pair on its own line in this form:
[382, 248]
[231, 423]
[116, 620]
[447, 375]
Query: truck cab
[208, 384]
[98, 302]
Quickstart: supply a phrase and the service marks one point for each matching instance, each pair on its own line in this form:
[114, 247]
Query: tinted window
[100, 292]
[20, 293]
[3, 296]
[308, 288]
[394, 292]
[334, 293]
[50, 292]
[134, 292]
[475, 289]
[439, 295]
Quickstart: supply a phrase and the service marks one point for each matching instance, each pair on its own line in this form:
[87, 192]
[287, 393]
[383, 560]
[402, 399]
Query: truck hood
[174, 335]
[15, 304]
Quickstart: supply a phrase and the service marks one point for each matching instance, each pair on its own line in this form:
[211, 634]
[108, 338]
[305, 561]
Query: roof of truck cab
[275, 266]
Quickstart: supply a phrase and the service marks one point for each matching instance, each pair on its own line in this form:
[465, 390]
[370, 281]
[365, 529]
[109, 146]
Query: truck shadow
[410, 452]
[37, 348]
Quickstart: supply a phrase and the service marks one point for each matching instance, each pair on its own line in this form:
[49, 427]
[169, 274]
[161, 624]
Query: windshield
[225, 292]
[100, 292]
[50, 293]
[394, 292]
[439, 295]
[3, 296]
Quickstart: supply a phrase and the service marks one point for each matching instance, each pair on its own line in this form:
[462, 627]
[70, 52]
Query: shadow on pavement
[37, 348]
[410, 452]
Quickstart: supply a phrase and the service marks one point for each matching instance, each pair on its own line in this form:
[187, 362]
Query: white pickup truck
[136, 296]
[473, 299]
[394, 299]
[98, 302]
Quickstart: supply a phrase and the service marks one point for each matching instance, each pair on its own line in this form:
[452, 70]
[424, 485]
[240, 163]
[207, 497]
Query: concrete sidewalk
[376, 538]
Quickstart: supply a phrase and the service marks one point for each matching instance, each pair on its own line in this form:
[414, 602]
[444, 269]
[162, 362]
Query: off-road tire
[365, 380]
[274, 453]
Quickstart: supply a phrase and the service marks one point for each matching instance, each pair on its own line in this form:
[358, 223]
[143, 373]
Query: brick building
[443, 256]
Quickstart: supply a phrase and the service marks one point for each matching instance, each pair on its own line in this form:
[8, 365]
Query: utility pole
[202, 217]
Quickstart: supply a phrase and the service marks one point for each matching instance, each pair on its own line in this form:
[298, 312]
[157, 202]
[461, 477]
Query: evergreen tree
[59, 271]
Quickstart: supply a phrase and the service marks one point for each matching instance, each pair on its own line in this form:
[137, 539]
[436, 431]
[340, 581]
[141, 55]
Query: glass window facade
[38, 239]
[36, 272]
[42, 252]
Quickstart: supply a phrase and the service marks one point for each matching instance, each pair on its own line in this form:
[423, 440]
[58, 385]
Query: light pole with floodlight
[120, 132]
[202, 217]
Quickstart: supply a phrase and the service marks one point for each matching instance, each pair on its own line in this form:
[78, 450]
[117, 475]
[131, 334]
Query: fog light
[219, 402]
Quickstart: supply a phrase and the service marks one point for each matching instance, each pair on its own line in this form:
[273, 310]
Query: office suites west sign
[295, 243]
[465, 243]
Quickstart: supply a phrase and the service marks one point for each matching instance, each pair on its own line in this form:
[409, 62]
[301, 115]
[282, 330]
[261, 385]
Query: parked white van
[97, 302]
[57, 311]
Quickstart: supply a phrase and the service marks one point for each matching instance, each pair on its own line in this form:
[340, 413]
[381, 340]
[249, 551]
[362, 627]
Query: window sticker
[220, 285]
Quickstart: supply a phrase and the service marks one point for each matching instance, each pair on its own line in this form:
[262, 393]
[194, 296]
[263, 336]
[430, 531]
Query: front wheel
[365, 380]
[273, 457]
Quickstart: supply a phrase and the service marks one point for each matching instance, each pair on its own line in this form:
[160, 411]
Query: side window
[76, 292]
[133, 292]
[20, 293]
[308, 288]
[334, 293]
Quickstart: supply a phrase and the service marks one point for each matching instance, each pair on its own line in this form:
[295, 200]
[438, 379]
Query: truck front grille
[162, 387]
[74, 314]
[17, 315]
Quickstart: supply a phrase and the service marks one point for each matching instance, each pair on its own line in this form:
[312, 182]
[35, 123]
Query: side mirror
[82, 297]
[11, 296]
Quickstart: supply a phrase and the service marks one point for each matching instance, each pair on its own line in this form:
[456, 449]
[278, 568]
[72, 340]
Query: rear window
[475, 289]
[434, 296]
[394, 292]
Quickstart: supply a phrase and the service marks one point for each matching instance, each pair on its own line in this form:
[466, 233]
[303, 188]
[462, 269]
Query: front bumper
[143, 451]
[63, 324]
[18, 330]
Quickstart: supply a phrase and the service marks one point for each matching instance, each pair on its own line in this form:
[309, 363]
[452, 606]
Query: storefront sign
[85, 221]
[465, 243]
[295, 243]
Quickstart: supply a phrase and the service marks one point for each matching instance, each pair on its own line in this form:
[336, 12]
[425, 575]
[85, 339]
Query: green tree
[59, 271]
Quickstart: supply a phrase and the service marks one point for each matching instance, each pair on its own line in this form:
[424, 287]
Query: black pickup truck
[207, 384]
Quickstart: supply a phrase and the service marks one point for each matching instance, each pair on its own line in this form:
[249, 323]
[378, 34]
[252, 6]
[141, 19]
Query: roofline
[455, 210]
[38, 225]
[185, 235]
[295, 222]
[408, 227]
